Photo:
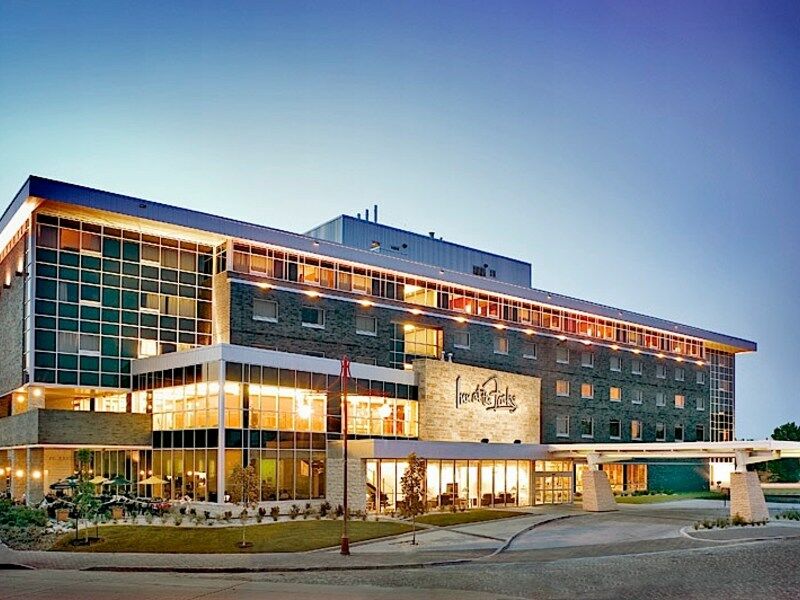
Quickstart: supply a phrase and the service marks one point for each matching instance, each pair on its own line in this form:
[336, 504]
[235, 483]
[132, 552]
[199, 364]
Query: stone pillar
[34, 476]
[747, 497]
[356, 483]
[18, 461]
[597, 494]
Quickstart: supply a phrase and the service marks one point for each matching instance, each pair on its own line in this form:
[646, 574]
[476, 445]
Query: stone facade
[12, 305]
[356, 483]
[55, 427]
[597, 494]
[501, 407]
[747, 498]
[339, 337]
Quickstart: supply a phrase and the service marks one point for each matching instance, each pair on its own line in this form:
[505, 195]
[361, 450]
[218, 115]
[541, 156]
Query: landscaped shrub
[294, 511]
[324, 509]
[307, 511]
[339, 511]
[179, 519]
[21, 516]
[791, 515]
[148, 518]
[275, 512]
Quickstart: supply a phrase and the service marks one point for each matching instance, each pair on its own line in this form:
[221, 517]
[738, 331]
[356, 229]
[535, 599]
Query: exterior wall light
[19, 473]
[36, 475]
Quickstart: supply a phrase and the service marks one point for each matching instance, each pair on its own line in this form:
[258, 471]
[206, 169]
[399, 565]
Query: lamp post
[345, 376]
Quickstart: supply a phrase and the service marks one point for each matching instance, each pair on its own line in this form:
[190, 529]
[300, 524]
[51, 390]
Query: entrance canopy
[744, 452]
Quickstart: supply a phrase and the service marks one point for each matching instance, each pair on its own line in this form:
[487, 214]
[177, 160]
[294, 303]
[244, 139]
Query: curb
[685, 531]
[511, 539]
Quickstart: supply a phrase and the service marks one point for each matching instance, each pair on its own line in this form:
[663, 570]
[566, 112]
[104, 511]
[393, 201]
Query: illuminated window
[616, 363]
[680, 400]
[461, 339]
[636, 366]
[90, 242]
[614, 430]
[661, 399]
[587, 427]
[500, 345]
[587, 391]
[636, 430]
[562, 426]
[366, 325]
[661, 432]
[70, 239]
[562, 355]
[148, 348]
[615, 394]
[265, 310]
[661, 371]
[679, 374]
[312, 317]
[562, 387]
[587, 359]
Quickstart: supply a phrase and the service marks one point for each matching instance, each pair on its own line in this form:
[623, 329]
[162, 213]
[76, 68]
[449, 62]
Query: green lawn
[292, 536]
[656, 498]
[443, 519]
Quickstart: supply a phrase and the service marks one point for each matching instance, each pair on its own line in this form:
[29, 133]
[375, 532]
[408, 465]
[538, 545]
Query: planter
[62, 514]
[117, 512]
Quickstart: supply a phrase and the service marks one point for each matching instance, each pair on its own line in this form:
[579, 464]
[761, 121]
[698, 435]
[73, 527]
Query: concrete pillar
[747, 497]
[34, 476]
[597, 494]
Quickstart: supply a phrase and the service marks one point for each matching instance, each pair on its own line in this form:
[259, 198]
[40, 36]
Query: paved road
[729, 572]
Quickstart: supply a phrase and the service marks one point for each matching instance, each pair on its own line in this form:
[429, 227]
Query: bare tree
[412, 484]
[244, 491]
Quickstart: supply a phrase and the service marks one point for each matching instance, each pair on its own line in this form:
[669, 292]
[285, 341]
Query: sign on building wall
[468, 404]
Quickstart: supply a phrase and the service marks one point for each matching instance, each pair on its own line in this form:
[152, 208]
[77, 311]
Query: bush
[324, 509]
[738, 520]
[294, 511]
[182, 510]
[339, 511]
[275, 512]
[262, 511]
[307, 511]
[206, 515]
[179, 519]
[21, 516]
[148, 518]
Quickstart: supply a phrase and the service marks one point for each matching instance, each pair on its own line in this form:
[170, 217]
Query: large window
[461, 339]
[615, 394]
[614, 429]
[501, 345]
[412, 341]
[106, 305]
[616, 363]
[562, 387]
[587, 391]
[587, 359]
[636, 430]
[679, 433]
[680, 400]
[661, 399]
[661, 432]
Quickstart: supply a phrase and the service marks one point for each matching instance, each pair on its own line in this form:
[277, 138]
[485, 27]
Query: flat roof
[59, 191]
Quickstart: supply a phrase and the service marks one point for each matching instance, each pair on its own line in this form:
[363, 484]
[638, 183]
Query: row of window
[276, 264]
[615, 395]
[587, 429]
[637, 365]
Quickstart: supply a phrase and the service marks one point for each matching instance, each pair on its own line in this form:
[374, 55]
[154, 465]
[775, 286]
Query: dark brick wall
[12, 304]
[339, 337]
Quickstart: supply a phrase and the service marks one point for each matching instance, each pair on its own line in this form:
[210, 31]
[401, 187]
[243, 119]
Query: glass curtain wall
[459, 484]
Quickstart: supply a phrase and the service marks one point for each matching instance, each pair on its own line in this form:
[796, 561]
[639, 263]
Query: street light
[345, 376]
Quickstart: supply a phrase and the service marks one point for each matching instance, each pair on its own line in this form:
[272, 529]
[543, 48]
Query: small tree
[244, 492]
[86, 504]
[411, 484]
[786, 470]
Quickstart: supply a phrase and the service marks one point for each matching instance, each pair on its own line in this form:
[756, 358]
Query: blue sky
[643, 155]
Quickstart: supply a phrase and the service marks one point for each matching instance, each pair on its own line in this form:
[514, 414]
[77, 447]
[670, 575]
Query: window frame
[502, 348]
[590, 395]
[467, 346]
[309, 324]
[265, 301]
[367, 332]
[567, 386]
[559, 420]
[559, 351]
[588, 364]
[638, 437]
[589, 420]
[611, 393]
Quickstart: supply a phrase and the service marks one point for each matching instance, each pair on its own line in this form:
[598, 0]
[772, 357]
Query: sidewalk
[437, 546]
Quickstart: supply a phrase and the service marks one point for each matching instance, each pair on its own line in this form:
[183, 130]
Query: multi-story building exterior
[178, 344]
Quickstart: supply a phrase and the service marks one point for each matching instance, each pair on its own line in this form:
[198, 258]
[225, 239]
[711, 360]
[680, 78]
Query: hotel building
[177, 344]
